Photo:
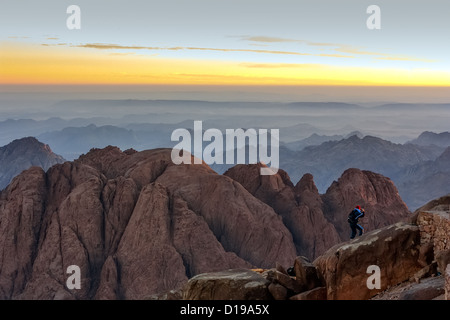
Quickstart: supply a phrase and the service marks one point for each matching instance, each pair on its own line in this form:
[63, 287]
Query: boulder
[431, 288]
[232, 284]
[306, 274]
[427, 289]
[319, 293]
[394, 249]
[277, 291]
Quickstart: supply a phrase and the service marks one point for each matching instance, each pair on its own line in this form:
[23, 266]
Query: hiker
[353, 219]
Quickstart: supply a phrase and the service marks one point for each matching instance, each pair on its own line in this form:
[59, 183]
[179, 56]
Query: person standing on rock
[353, 219]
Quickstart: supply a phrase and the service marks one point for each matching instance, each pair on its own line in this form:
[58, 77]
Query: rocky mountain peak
[445, 156]
[22, 154]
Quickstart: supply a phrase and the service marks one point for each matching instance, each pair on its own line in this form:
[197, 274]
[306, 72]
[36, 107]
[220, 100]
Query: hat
[358, 207]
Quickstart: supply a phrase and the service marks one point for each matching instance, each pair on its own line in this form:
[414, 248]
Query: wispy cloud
[268, 39]
[335, 50]
[252, 50]
[277, 65]
[108, 46]
[337, 47]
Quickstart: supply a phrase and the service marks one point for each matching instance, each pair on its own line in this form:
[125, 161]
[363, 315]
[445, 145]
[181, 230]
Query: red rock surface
[395, 249]
[138, 225]
[376, 193]
[317, 221]
[134, 223]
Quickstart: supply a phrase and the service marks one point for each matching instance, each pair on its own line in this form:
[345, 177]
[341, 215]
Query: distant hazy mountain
[326, 106]
[74, 141]
[22, 154]
[12, 129]
[425, 181]
[422, 107]
[316, 139]
[327, 161]
[428, 138]
[312, 140]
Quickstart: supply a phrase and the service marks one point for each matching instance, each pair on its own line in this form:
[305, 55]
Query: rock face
[395, 249]
[317, 221]
[138, 225]
[435, 231]
[374, 192]
[300, 206]
[21, 154]
[135, 224]
[433, 220]
[402, 261]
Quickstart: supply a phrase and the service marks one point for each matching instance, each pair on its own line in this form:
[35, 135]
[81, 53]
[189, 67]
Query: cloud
[355, 50]
[252, 50]
[18, 37]
[334, 55]
[268, 39]
[323, 44]
[335, 50]
[277, 65]
[405, 58]
[337, 47]
[106, 46]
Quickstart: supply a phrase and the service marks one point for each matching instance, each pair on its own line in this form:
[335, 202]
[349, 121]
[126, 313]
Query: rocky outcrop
[374, 192]
[395, 250]
[317, 221]
[433, 219]
[134, 223]
[434, 231]
[235, 284]
[21, 154]
[396, 262]
[299, 206]
[22, 211]
[276, 283]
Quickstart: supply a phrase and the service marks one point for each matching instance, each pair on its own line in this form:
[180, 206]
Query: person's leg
[353, 227]
[360, 228]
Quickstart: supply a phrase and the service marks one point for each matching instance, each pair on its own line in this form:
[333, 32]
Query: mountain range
[419, 162]
[136, 224]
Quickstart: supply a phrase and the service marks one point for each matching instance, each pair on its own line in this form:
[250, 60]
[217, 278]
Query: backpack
[352, 216]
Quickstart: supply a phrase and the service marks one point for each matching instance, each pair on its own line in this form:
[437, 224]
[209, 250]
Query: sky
[231, 43]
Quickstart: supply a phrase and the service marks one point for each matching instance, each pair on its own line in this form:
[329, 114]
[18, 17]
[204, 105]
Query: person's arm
[360, 215]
